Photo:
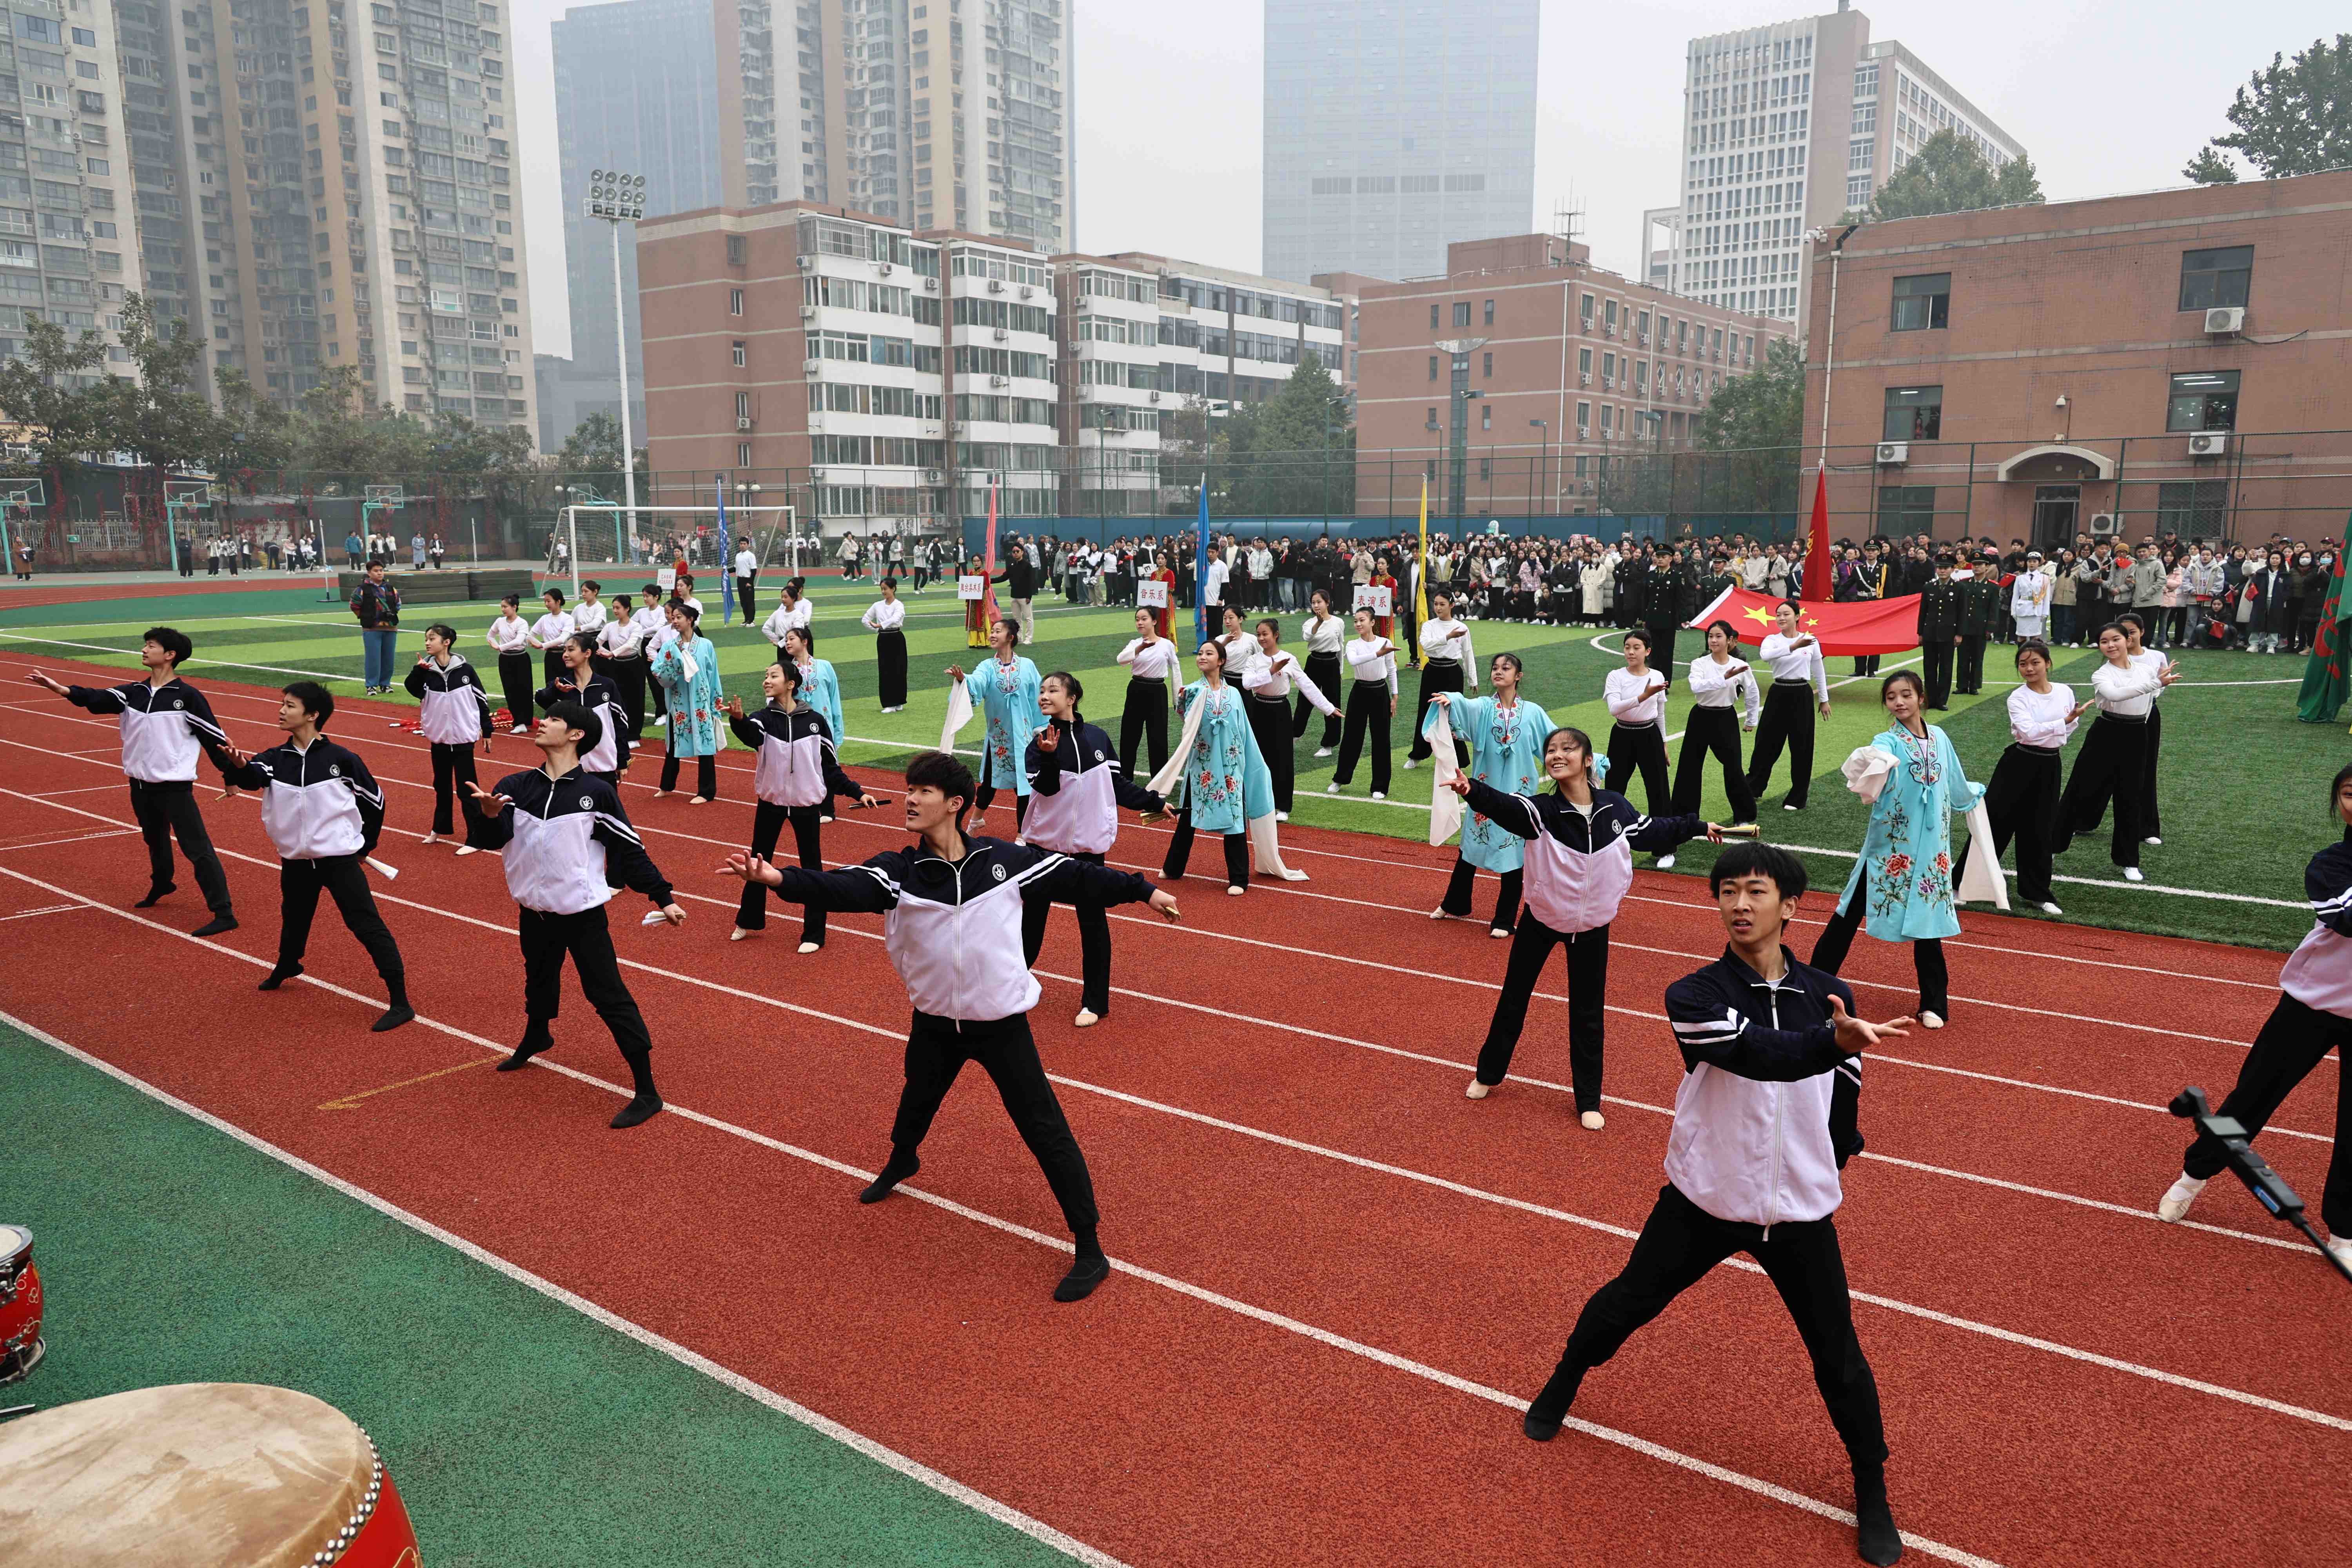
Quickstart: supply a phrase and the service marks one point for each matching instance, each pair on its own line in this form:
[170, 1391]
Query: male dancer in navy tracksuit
[165, 722]
[952, 926]
[566, 829]
[1763, 1122]
[324, 812]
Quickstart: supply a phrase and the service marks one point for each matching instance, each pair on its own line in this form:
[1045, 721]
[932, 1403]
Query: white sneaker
[1786, 806]
[1665, 863]
[1592, 1121]
[468, 850]
[1479, 1090]
[744, 933]
[1330, 789]
[699, 800]
[1931, 1020]
[809, 947]
[1379, 795]
[1409, 764]
[2152, 840]
[1438, 913]
[1236, 892]
[1498, 933]
[2131, 874]
[524, 730]
[1282, 817]
[659, 720]
[2050, 909]
[1087, 1020]
[2174, 1204]
[2341, 1247]
[430, 839]
[1322, 751]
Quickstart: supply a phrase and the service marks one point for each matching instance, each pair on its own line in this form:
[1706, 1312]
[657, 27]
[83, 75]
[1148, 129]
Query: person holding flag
[2321, 697]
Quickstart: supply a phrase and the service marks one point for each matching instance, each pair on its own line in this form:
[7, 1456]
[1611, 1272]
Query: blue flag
[726, 555]
[1201, 569]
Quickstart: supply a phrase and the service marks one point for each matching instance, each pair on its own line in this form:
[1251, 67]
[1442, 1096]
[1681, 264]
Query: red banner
[1865, 626]
[1817, 542]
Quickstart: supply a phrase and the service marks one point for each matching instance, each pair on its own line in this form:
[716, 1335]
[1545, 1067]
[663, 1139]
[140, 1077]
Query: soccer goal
[19, 499]
[604, 537]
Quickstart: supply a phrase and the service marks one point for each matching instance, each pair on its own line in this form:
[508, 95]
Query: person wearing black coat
[1981, 611]
[1940, 605]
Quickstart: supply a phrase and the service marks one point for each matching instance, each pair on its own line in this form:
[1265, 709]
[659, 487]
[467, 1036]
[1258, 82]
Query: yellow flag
[1421, 582]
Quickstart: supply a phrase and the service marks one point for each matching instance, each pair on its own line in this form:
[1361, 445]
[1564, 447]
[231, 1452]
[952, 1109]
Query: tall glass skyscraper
[636, 88]
[1395, 128]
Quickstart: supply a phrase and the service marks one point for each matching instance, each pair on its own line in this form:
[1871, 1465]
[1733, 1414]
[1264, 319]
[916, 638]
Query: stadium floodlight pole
[619, 198]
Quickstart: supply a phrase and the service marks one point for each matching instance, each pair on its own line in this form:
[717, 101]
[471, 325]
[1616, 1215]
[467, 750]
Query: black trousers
[629, 678]
[1507, 896]
[936, 1049]
[1269, 721]
[1368, 715]
[984, 796]
[1144, 719]
[768, 821]
[1438, 675]
[1588, 991]
[2023, 804]
[1681, 1243]
[2112, 767]
[1717, 731]
[163, 810]
[1180, 853]
[1936, 670]
[588, 939]
[2293, 1041]
[1866, 664]
[553, 659]
[1662, 646]
[706, 774]
[890, 667]
[1788, 719]
[1094, 943]
[2151, 821]
[1640, 749]
[1971, 662]
[514, 680]
[344, 879]
[453, 768]
[1323, 669]
[1926, 953]
[745, 597]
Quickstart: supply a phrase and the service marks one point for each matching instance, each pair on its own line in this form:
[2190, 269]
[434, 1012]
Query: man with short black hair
[165, 723]
[376, 602]
[952, 908]
[568, 844]
[1764, 1121]
[323, 812]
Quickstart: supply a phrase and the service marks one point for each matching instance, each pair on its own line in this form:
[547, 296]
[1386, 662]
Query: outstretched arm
[1710, 1031]
[868, 889]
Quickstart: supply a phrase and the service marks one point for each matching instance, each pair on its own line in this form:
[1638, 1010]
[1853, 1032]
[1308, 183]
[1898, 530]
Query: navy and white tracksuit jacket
[164, 728]
[318, 802]
[568, 843]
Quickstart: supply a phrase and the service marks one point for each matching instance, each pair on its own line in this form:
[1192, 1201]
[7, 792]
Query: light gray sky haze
[2105, 95]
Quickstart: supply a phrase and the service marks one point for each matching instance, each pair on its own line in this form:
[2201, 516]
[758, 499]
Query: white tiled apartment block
[1785, 128]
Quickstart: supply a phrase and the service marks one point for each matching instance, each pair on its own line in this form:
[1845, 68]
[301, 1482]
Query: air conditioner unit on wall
[2226, 319]
[884, 268]
[812, 366]
[995, 286]
[2103, 524]
[808, 263]
[808, 312]
[742, 422]
[2209, 444]
[1893, 452]
[930, 285]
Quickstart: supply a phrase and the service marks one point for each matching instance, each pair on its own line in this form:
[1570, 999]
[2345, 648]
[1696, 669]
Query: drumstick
[1743, 830]
[389, 873]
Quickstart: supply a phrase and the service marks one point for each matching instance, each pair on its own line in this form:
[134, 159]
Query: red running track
[1159, 1425]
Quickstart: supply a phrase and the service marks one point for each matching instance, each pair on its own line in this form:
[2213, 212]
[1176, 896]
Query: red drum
[198, 1475]
[20, 1304]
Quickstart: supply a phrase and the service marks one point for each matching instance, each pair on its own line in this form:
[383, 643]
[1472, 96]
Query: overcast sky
[2104, 95]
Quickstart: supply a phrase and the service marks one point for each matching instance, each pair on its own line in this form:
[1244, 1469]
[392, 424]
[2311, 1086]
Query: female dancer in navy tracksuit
[795, 777]
[1579, 861]
[1075, 788]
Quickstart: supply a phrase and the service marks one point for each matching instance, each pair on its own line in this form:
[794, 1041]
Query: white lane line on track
[1455, 979]
[1003, 1514]
[929, 1476]
[1279, 1140]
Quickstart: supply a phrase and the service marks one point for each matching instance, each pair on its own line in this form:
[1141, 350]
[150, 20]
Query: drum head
[14, 1242]
[198, 1475]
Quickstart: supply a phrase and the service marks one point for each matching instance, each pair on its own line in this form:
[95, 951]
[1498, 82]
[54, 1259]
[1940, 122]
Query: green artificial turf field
[2230, 723]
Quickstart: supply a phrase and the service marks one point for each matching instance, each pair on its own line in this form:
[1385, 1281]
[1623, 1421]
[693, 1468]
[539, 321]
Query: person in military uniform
[1866, 578]
[1981, 608]
[1940, 603]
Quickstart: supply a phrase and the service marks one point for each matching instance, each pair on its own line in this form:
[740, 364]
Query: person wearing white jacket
[1723, 703]
[2028, 597]
[2113, 759]
[1764, 1121]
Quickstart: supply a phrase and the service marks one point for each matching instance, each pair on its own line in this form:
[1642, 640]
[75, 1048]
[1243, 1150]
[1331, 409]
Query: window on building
[1905, 510]
[1490, 313]
[1914, 414]
[1584, 309]
[742, 405]
[1485, 416]
[1486, 364]
[1922, 302]
[1583, 421]
[2203, 400]
[2210, 278]
[1433, 367]
[734, 301]
[738, 351]
[1429, 420]
[1609, 314]
[1432, 318]
[1461, 312]
[738, 250]
[742, 453]
[2193, 509]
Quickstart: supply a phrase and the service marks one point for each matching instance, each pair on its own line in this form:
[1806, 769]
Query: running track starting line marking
[1035, 1529]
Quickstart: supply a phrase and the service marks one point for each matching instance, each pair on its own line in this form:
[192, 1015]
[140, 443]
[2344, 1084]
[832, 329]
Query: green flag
[2324, 683]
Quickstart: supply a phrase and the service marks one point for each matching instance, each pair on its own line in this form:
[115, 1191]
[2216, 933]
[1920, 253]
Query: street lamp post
[1543, 460]
[619, 198]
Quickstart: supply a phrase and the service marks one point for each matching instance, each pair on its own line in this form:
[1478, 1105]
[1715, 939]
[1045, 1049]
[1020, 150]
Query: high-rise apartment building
[1785, 128]
[636, 88]
[932, 113]
[1395, 128]
[330, 183]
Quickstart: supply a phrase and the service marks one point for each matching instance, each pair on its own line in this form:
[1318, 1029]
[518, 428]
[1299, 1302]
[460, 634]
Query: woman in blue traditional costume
[1504, 736]
[1007, 687]
[687, 667]
[1221, 778]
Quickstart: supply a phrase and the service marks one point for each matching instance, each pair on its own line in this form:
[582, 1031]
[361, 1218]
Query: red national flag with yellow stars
[1863, 625]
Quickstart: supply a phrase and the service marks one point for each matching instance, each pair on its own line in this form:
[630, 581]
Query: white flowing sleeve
[1866, 769]
[958, 715]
